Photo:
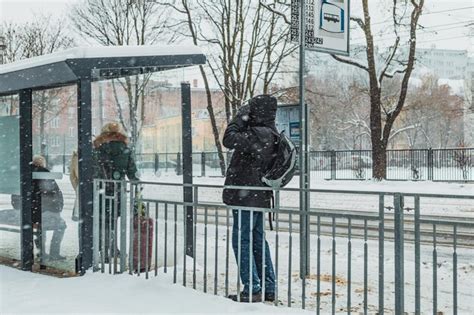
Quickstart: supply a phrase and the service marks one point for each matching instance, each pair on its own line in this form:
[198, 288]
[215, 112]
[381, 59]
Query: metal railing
[358, 258]
[418, 164]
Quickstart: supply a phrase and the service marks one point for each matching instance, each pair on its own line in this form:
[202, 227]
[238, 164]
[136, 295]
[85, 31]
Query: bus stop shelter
[81, 67]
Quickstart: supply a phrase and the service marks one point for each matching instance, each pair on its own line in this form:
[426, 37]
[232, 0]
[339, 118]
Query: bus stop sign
[326, 25]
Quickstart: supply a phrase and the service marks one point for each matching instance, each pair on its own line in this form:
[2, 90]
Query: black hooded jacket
[252, 136]
[113, 158]
[46, 195]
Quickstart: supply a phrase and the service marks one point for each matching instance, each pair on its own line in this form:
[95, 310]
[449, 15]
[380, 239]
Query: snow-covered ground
[125, 293]
[9, 242]
[339, 201]
[393, 173]
[24, 292]
[9, 245]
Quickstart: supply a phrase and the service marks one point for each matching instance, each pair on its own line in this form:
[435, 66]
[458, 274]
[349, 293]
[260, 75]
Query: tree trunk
[379, 161]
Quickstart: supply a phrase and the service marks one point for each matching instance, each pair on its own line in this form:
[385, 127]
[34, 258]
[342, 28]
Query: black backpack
[284, 164]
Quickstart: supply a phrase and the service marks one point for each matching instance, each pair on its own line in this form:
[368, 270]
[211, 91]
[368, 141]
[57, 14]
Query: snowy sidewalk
[25, 292]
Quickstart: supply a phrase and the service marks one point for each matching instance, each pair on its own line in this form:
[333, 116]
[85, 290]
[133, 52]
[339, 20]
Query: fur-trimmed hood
[107, 137]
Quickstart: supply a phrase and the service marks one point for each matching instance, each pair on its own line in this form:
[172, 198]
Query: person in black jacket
[47, 204]
[113, 160]
[253, 137]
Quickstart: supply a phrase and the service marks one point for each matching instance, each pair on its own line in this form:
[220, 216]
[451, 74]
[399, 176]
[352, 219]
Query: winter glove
[242, 117]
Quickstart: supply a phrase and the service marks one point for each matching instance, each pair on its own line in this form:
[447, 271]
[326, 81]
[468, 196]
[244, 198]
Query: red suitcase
[142, 251]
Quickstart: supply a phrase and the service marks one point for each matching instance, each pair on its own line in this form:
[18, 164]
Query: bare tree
[435, 115]
[42, 36]
[246, 43]
[384, 112]
[190, 23]
[124, 22]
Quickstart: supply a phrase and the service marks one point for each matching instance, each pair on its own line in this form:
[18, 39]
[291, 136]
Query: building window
[54, 124]
[54, 140]
[71, 112]
[71, 132]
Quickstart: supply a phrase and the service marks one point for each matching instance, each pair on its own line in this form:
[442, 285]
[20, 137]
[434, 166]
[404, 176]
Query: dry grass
[49, 271]
[324, 278]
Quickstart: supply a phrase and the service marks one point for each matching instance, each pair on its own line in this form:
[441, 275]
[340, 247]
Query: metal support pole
[417, 257]
[26, 156]
[303, 153]
[187, 163]
[399, 253]
[430, 164]
[84, 124]
[333, 164]
[64, 154]
[203, 164]
[157, 162]
[179, 168]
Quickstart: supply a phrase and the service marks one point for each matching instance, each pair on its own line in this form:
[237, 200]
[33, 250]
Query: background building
[444, 63]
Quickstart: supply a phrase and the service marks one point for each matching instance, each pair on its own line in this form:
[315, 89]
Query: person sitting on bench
[47, 203]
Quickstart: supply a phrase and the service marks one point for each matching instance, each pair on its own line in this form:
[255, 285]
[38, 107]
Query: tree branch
[351, 62]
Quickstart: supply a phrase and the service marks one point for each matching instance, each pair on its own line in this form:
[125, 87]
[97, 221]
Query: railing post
[157, 162]
[417, 257]
[95, 228]
[333, 164]
[430, 164]
[203, 164]
[123, 225]
[381, 252]
[179, 169]
[399, 254]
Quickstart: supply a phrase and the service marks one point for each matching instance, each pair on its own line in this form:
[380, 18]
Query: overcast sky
[445, 21]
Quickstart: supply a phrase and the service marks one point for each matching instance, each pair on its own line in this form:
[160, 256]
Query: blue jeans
[256, 258]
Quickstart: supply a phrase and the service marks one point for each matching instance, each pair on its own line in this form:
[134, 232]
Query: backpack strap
[276, 133]
[270, 213]
[103, 168]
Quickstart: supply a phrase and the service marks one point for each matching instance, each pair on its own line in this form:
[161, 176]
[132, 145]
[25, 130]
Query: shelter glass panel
[10, 200]
[55, 177]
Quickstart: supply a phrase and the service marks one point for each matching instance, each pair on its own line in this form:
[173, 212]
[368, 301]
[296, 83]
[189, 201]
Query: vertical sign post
[319, 25]
[303, 154]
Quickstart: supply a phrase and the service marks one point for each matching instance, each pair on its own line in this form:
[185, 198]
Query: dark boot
[245, 297]
[269, 296]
